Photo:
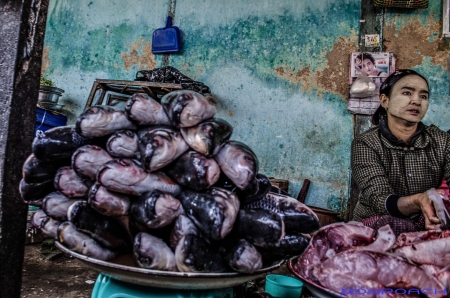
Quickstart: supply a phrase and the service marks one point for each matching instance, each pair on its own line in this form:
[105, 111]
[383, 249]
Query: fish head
[186, 108]
[121, 171]
[239, 163]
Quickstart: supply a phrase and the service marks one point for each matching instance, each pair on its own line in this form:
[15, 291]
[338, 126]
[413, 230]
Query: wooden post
[371, 21]
[22, 27]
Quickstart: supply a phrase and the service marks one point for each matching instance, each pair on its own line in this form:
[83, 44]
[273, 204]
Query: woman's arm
[370, 176]
[419, 203]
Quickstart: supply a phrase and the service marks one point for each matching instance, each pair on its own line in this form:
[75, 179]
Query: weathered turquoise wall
[278, 68]
[414, 35]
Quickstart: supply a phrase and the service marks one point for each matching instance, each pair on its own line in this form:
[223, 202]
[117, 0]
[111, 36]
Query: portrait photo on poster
[373, 64]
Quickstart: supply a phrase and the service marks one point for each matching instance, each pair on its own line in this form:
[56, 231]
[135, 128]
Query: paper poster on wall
[384, 64]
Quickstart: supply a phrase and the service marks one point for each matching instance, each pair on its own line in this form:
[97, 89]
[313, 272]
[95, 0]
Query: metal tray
[315, 289]
[122, 268]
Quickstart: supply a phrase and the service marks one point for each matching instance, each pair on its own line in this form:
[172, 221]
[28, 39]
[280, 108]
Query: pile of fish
[164, 182]
[351, 259]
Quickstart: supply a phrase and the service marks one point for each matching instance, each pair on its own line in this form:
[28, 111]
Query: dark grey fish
[255, 191]
[159, 146]
[151, 252]
[213, 211]
[208, 136]
[70, 184]
[33, 192]
[35, 170]
[155, 209]
[107, 202]
[183, 226]
[88, 159]
[260, 227]
[98, 121]
[194, 170]
[297, 217]
[289, 246]
[73, 239]
[37, 217]
[186, 108]
[104, 229]
[144, 110]
[195, 254]
[56, 204]
[243, 257]
[238, 162]
[57, 143]
[123, 143]
[49, 227]
[126, 176]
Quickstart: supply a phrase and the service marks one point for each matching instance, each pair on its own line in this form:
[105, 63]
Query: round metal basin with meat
[122, 268]
[315, 289]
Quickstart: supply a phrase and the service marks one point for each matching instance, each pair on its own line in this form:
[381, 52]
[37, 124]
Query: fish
[159, 146]
[37, 217]
[126, 176]
[329, 241]
[124, 144]
[290, 245]
[238, 162]
[195, 254]
[33, 192]
[297, 217]
[104, 229]
[208, 136]
[56, 204]
[39, 171]
[214, 211]
[49, 227]
[260, 227]
[183, 226]
[243, 257]
[194, 171]
[73, 239]
[144, 110]
[386, 270]
[57, 143]
[187, 108]
[107, 202]
[256, 191]
[151, 252]
[87, 159]
[155, 209]
[99, 121]
[434, 251]
[70, 184]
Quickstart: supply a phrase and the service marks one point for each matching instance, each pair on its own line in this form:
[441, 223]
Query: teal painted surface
[297, 129]
[432, 60]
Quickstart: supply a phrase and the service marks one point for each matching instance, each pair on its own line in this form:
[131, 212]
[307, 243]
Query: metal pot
[49, 94]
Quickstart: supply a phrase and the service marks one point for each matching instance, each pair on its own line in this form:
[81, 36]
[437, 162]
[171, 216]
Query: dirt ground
[65, 277]
[59, 277]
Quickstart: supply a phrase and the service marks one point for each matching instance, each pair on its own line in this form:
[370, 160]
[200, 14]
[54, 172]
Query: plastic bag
[362, 86]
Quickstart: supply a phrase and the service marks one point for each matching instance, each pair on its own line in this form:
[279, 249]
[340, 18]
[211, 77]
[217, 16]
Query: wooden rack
[122, 90]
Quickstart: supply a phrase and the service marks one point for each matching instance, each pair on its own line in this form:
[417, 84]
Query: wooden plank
[371, 22]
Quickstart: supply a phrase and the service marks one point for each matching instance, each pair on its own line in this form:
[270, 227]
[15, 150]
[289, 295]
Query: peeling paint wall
[278, 68]
[414, 35]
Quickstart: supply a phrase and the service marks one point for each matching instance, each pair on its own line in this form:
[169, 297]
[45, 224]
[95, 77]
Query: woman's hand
[420, 203]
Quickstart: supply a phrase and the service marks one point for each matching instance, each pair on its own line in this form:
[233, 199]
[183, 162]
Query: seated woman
[395, 162]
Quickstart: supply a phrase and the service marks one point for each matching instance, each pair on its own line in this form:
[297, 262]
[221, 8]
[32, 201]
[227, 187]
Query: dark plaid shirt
[383, 170]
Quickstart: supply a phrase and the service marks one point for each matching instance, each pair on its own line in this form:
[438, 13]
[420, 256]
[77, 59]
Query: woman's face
[408, 101]
[368, 66]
